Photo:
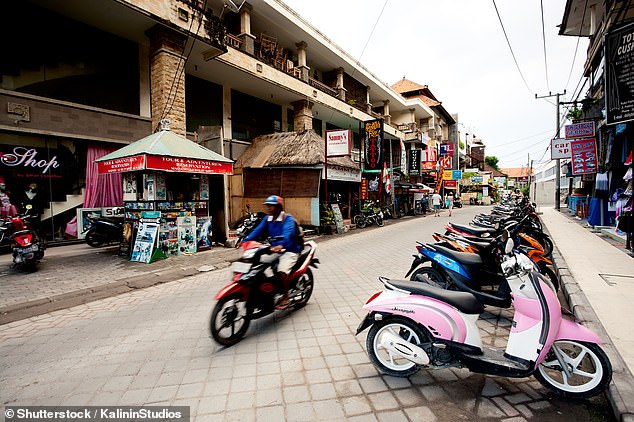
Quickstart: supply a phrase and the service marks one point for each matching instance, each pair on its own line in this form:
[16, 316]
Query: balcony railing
[322, 87]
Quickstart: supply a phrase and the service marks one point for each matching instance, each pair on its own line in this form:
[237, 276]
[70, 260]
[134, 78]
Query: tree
[492, 161]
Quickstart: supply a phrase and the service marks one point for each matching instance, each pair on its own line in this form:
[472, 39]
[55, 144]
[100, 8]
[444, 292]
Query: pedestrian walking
[436, 199]
[449, 203]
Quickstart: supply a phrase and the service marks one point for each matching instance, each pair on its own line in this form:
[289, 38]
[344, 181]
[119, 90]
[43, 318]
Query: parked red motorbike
[26, 245]
[255, 289]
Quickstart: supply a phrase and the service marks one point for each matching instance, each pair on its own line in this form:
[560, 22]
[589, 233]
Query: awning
[165, 151]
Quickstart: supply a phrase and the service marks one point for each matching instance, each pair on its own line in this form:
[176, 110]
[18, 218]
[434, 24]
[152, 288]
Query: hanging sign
[584, 156]
[373, 141]
[414, 165]
[121, 165]
[619, 71]
[559, 148]
[451, 184]
[363, 190]
[579, 130]
[446, 150]
[338, 142]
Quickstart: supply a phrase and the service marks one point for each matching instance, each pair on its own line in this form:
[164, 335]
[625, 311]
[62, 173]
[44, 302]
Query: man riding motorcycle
[279, 224]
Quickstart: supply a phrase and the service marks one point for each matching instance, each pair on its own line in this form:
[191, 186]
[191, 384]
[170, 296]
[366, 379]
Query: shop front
[173, 194]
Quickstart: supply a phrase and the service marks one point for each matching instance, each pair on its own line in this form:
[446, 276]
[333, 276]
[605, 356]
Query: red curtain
[102, 190]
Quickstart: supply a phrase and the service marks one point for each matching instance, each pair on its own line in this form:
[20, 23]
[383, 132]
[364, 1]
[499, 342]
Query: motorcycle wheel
[588, 363]
[304, 289]
[94, 240]
[359, 221]
[229, 320]
[431, 276]
[548, 245]
[552, 276]
[386, 361]
[379, 221]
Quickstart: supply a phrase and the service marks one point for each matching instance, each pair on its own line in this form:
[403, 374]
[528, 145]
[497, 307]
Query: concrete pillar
[302, 115]
[368, 105]
[248, 39]
[167, 78]
[302, 60]
[341, 91]
[386, 112]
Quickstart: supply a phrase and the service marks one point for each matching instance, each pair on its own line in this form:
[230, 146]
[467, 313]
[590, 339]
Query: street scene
[256, 210]
[153, 346]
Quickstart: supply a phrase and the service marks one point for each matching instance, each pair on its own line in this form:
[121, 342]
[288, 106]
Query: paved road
[152, 346]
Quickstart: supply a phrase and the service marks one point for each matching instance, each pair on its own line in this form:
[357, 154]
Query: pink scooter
[415, 325]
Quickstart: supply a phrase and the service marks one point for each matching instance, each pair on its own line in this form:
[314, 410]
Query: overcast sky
[458, 49]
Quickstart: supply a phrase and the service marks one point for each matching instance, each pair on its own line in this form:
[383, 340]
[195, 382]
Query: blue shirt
[283, 225]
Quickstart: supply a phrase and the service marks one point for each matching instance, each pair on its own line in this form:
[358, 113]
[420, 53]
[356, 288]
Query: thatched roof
[285, 149]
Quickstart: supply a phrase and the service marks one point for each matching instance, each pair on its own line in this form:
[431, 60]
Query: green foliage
[327, 216]
[492, 161]
[467, 175]
[526, 190]
[460, 144]
[575, 113]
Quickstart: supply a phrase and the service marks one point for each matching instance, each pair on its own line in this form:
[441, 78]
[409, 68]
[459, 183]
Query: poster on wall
[373, 144]
[168, 237]
[129, 187]
[148, 187]
[203, 233]
[144, 243]
[204, 187]
[161, 189]
[584, 156]
[186, 234]
[83, 220]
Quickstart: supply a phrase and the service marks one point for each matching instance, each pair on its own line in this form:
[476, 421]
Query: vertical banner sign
[619, 74]
[584, 156]
[363, 194]
[413, 165]
[403, 156]
[373, 141]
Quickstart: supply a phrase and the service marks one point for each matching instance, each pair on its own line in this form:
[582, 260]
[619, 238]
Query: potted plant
[327, 221]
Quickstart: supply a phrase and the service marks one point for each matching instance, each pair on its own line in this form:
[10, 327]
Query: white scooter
[415, 325]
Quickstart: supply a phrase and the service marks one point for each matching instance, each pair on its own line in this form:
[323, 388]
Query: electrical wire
[541, 3]
[511, 48]
[179, 71]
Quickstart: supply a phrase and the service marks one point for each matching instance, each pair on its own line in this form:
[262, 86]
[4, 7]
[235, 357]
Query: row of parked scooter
[499, 260]
[27, 247]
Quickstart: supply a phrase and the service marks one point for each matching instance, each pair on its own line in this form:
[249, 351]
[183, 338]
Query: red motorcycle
[255, 289]
[27, 247]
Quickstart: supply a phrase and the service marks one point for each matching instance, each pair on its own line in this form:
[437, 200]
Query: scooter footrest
[494, 362]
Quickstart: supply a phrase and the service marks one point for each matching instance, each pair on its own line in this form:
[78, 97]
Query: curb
[621, 389]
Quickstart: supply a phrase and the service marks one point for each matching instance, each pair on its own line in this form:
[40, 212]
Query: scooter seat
[466, 258]
[474, 230]
[463, 301]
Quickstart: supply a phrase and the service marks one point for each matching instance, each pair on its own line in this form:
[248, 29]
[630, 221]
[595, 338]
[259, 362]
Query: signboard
[120, 165]
[445, 162]
[414, 164]
[476, 179]
[447, 175]
[579, 130]
[559, 148]
[451, 184]
[338, 143]
[584, 156]
[144, 243]
[446, 150]
[373, 144]
[363, 189]
[429, 155]
[456, 174]
[338, 218]
[619, 74]
[428, 165]
[343, 174]
[500, 179]
[187, 165]
[186, 234]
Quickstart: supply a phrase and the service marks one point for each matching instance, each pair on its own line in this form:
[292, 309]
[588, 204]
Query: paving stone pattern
[153, 346]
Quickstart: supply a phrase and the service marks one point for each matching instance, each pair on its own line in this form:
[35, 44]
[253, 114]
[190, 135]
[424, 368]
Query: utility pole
[558, 166]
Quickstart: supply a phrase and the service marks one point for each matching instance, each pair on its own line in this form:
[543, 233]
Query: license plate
[32, 248]
[240, 267]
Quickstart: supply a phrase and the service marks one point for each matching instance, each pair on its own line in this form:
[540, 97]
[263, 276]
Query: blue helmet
[274, 200]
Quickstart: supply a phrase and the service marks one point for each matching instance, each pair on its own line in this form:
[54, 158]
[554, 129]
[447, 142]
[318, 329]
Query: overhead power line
[511, 48]
[541, 3]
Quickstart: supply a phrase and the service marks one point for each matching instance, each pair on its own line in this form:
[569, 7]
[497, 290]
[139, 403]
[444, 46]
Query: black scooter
[104, 230]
